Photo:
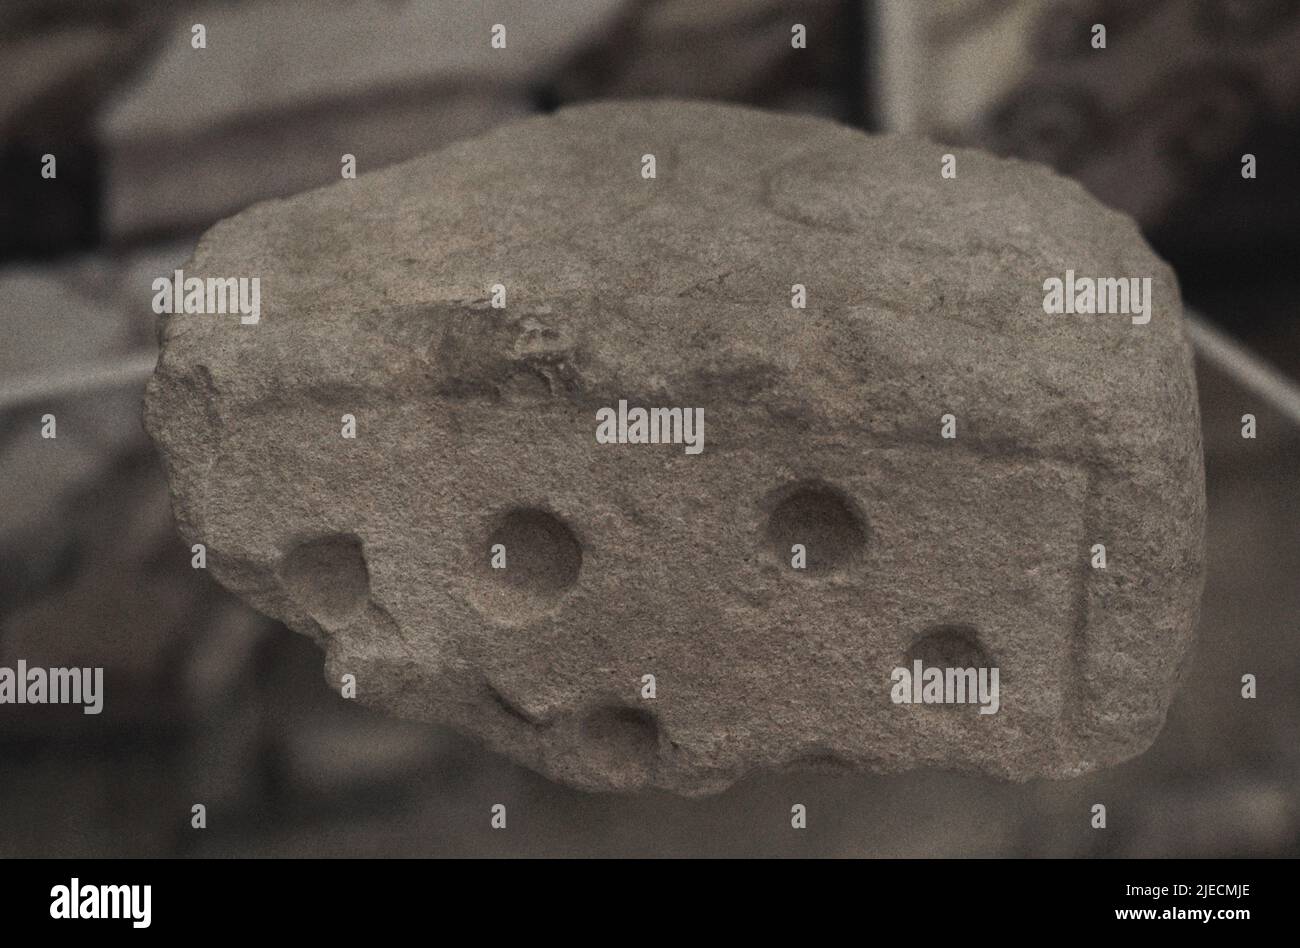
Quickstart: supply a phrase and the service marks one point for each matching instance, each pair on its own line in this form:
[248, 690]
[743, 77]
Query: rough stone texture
[822, 426]
[1181, 92]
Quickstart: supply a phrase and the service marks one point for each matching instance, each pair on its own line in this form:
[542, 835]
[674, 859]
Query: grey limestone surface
[475, 425]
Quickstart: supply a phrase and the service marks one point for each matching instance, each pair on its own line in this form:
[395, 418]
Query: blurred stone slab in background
[283, 90]
[61, 328]
[939, 66]
[254, 744]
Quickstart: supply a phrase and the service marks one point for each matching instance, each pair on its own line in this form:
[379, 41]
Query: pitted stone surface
[475, 426]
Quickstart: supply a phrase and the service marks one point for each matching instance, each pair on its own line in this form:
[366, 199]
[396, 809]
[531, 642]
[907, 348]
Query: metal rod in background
[1251, 372]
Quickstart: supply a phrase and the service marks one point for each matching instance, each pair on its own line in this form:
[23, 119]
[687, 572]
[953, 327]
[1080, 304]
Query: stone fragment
[476, 427]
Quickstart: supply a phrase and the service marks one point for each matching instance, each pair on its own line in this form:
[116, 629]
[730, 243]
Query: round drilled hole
[541, 555]
[327, 576]
[824, 522]
[949, 646]
[622, 742]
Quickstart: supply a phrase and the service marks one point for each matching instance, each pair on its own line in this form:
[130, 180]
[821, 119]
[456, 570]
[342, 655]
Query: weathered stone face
[475, 427]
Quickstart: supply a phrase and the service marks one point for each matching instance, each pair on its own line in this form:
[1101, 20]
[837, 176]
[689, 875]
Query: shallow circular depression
[824, 520]
[327, 576]
[542, 556]
[622, 743]
[949, 646]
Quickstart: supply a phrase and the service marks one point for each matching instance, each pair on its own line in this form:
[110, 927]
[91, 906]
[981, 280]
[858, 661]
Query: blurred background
[209, 702]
